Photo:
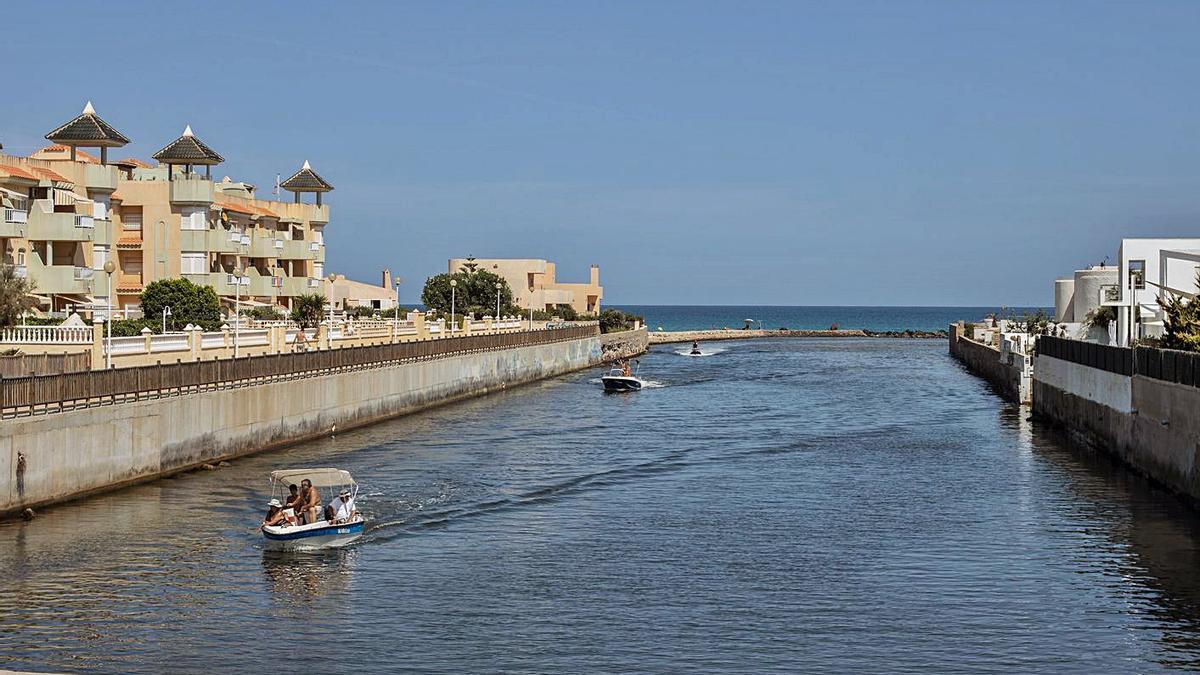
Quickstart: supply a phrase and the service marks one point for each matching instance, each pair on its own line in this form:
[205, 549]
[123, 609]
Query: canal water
[803, 505]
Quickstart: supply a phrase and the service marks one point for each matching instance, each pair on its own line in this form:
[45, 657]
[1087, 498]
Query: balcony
[266, 247]
[13, 223]
[221, 240]
[293, 286]
[103, 232]
[265, 286]
[51, 226]
[191, 191]
[60, 279]
[298, 249]
[100, 178]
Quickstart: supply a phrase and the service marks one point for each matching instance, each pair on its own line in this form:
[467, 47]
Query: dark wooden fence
[50, 393]
[44, 364]
[1117, 360]
[1168, 365]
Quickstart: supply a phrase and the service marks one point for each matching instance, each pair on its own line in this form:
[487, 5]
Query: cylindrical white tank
[1087, 289]
[1064, 292]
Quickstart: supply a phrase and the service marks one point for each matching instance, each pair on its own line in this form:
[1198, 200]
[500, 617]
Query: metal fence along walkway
[38, 394]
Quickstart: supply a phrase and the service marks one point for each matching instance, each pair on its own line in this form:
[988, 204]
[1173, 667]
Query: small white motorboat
[292, 535]
[622, 379]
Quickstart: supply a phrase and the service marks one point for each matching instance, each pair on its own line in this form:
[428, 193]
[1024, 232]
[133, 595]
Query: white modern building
[1150, 269]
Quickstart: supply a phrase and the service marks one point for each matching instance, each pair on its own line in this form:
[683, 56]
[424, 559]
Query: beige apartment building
[534, 283]
[67, 212]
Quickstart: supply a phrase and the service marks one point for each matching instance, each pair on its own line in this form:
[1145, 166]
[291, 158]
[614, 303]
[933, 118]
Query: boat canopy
[321, 478]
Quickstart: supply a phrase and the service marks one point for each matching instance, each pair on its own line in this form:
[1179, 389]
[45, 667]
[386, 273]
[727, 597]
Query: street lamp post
[397, 311]
[165, 313]
[109, 268]
[497, 301]
[329, 299]
[531, 309]
[453, 289]
[237, 310]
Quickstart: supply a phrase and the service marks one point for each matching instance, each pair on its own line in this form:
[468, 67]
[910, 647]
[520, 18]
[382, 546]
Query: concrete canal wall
[1150, 424]
[55, 457]
[984, 361]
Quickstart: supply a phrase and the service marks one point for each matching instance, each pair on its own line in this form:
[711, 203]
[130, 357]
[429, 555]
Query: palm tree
[307, 309]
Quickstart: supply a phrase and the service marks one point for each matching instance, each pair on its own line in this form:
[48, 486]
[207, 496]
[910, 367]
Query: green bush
[265, 314]
[189, 303]
[131, 327]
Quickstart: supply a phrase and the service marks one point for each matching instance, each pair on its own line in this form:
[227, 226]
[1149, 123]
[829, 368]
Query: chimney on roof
[387, 278]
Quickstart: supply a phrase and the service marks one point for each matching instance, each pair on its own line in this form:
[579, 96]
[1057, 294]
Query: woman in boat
[275, 514]
[626, 370]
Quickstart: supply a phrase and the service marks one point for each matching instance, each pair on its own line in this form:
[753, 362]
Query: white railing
[133, 344]
[252, 338]
[169, 342]
[16, 216]
[47, 335]
[212, 340]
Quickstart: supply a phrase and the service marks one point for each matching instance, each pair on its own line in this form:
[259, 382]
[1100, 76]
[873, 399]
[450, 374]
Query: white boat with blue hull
[335, 526]
[622, 379]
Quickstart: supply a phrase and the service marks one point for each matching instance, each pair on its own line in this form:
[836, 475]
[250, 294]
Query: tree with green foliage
[1181, 325]
[475, 294]
[307, 309]
[189, 303]
[16, 296]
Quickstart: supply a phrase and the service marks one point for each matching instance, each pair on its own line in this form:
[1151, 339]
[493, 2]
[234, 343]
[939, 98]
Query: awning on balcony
[63, 197]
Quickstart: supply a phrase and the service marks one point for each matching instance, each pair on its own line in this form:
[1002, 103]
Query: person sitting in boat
[292, 498]
[341, 509]
[309, 504]
[275, 515]
[626, 370]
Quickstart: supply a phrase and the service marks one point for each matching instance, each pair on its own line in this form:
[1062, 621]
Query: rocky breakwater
[623, 345]
[667, 337]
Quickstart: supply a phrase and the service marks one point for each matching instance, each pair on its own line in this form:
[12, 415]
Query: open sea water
[702, 317]
[789, 505]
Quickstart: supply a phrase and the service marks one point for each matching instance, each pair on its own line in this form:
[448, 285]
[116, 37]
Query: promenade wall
[985, 362]
[55, 457]
[1125, 404]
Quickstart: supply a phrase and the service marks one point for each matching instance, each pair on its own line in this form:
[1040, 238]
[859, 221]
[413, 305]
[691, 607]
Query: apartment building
[67, 212]
[534, 283]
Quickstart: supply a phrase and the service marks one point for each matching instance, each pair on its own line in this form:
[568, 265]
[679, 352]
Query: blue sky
[935, 153]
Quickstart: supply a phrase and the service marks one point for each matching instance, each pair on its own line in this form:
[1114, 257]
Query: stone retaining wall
[52, 458]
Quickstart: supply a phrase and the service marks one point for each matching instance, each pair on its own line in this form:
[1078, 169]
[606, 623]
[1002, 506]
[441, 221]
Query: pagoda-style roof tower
[187, 150]
[88, 131]
[306, 180]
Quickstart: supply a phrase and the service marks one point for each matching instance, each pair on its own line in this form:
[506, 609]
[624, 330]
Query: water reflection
[303, 576]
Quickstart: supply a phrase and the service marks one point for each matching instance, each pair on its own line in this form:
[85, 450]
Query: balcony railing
[16, 216]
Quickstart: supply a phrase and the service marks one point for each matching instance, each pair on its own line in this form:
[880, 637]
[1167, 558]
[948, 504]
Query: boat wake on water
[712, 351]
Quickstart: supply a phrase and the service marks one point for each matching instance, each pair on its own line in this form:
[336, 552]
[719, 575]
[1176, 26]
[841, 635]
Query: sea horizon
[815, 317]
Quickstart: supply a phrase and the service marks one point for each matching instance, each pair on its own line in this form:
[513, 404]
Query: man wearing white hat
[341, 508]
